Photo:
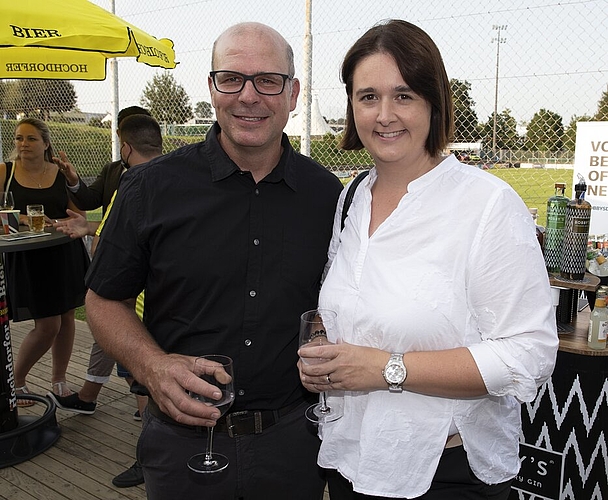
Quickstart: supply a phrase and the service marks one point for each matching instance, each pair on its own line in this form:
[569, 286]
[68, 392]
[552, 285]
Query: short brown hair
[421, 66]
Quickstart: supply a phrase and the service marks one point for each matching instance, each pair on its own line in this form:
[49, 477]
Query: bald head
[253, 31]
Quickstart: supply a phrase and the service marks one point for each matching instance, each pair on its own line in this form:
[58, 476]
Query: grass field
[534, 185]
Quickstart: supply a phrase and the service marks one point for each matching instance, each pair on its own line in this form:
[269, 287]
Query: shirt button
[256, 242]
[252, 293]
[241, 392]
[247, 342]
[257, 192]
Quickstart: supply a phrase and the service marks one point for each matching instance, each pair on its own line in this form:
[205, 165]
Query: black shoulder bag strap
[348, 199]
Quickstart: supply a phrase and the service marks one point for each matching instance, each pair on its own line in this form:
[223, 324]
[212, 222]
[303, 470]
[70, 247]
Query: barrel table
[22, 436]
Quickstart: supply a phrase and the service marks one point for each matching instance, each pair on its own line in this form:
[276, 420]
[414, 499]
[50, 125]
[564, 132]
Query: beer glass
[35, 215]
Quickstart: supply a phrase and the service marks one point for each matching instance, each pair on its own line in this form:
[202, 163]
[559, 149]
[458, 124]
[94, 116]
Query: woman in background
[47, 284]
[443, 301]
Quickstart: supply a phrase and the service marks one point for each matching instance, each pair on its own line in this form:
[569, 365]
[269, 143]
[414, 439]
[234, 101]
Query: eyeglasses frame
[248, 78]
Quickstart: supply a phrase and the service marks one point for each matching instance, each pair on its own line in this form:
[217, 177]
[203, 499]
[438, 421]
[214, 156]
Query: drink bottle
[598, 324]
[576, 235]
[555, 228]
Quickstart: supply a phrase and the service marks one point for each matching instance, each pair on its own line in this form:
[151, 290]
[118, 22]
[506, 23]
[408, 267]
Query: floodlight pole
[498, 41]
[306, 90]
[114, 99]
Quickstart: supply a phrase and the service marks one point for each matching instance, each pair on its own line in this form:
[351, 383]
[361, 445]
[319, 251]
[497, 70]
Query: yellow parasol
[71, 40]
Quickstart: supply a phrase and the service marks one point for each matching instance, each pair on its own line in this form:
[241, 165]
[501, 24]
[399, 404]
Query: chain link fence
[523, 73]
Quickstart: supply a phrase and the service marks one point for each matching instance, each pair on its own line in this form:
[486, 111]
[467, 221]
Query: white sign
[591, 161]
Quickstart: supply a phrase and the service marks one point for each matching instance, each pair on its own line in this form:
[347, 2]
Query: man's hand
[169, 378]
[75, 226]
[66, 168]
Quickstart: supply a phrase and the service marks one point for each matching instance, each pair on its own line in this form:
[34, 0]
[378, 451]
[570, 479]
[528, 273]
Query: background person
[100, 194]
[102, 189]
[229, 238]
[47, 284]
[140, 141]
[442, 337]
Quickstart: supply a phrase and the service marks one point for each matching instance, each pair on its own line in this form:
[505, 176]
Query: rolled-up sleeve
[510, 302]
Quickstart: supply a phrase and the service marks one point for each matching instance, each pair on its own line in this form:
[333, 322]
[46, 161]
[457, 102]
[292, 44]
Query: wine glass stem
[324, 408]
[208, 451]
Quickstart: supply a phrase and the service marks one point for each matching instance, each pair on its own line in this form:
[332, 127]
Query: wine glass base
[318, 415]
[201, 465]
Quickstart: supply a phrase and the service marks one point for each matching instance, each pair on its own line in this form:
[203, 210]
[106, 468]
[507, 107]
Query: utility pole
[498, 39]
[113, 72]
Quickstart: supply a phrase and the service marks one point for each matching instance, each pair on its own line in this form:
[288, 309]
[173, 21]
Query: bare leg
[89, 391]
[62, 347]
[142, 401]
[35, 345]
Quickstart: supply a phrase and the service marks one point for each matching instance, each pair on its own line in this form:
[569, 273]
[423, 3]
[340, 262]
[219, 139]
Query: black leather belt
[238, 423]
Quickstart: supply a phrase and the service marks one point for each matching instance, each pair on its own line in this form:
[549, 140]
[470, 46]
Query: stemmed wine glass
[6, 200]
[217, 370]
[313, 332]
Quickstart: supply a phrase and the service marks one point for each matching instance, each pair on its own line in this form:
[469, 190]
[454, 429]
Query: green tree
[570, 133]
[38, 97]
[602, 108]
[203, 109]
[545, 132]
[166, 100]
[466, 125]
[506, 131]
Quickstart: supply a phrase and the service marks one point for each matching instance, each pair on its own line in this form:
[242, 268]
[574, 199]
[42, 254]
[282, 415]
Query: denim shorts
[122, 372]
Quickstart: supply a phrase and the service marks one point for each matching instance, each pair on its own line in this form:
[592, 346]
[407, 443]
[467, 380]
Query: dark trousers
[453, 480]
[278, 464]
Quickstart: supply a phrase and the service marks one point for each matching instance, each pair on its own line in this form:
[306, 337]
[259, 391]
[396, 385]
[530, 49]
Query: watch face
[394, 374]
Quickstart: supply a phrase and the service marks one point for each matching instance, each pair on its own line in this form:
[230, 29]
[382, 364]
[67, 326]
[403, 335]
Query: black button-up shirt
[228, 265]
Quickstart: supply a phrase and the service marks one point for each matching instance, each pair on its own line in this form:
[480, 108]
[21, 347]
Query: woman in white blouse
[444, 308]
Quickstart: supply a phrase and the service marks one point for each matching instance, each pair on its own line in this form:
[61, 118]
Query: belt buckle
[234, 418]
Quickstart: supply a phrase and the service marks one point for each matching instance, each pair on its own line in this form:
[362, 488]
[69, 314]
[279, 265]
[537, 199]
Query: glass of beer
[35, 214]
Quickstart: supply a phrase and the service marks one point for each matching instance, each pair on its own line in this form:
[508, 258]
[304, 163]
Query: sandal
[61, 389]
[24, 403]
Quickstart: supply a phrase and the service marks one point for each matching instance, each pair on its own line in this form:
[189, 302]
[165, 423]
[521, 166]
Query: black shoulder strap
[348, 199]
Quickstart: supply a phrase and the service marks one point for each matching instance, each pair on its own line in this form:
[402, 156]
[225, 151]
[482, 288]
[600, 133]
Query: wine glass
[7, 201]
[217, 370]
[313, 332]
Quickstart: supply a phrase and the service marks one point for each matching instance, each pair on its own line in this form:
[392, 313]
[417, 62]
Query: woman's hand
[343, 367]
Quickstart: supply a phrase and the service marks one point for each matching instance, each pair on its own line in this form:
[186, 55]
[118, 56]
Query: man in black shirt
[229, 238]
[101, 190]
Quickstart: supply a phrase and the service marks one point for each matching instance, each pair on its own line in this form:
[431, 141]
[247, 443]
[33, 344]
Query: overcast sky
[555, 54]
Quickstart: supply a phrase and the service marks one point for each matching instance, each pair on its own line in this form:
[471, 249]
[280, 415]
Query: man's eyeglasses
[232, 82]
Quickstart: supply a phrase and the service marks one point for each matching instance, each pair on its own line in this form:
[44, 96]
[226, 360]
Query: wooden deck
[92, 449]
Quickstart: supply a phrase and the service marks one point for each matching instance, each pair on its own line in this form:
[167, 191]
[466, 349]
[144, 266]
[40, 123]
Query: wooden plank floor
[92, 449]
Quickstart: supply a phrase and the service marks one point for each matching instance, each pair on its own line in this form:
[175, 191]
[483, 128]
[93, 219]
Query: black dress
[47, 281]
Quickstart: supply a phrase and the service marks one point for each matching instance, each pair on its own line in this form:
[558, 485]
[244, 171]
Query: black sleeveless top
[47, 281]
[55, 198]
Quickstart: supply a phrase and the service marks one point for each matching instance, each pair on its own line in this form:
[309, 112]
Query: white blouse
[456, 264]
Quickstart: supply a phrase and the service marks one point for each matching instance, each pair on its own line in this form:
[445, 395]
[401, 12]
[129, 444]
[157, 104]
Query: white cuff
[74, 188]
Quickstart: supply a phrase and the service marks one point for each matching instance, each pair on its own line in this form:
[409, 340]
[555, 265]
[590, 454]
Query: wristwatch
[395, 373]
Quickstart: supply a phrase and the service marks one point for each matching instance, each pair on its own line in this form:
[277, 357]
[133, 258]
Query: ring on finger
[328, 379]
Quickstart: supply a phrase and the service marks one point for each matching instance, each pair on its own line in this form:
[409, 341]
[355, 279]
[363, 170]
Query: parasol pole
[307, 94]
[114, 99]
